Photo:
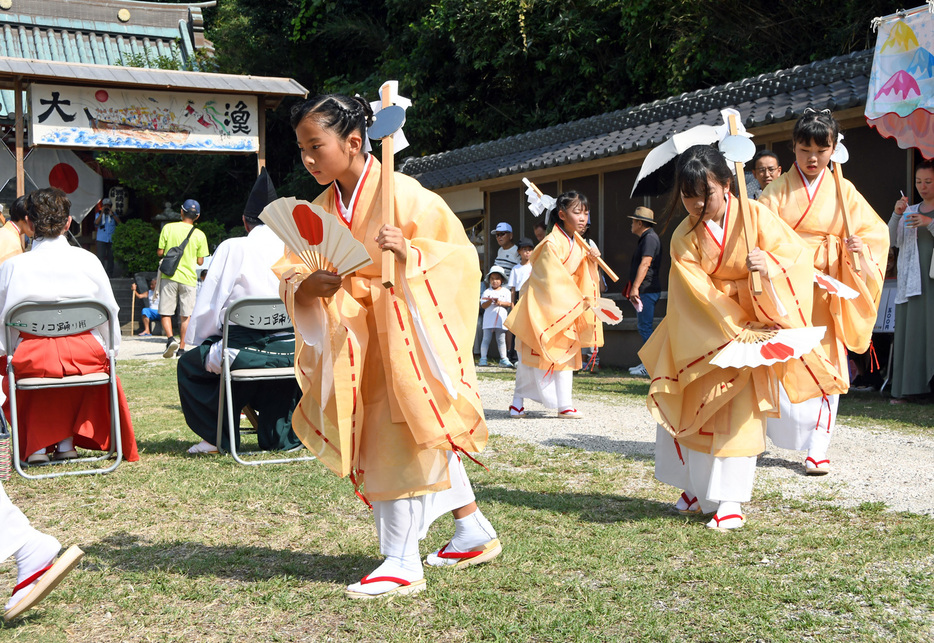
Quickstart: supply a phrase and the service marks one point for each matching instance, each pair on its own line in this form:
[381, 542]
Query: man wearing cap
[106, 222]
[241, 267]
[177, 292]
[508, 254]
[644, 289]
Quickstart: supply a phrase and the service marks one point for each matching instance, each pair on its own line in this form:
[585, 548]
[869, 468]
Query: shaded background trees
[478, 70]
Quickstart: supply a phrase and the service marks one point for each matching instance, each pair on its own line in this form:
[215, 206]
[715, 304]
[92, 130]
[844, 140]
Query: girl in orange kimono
[389, 392]
[806, 197]
[553, 319]
[711, 420]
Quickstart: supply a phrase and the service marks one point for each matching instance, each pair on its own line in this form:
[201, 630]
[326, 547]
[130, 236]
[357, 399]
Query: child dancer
[806, 198]
[711, 420]
[553, 320]
[388, 374]
[495, 301]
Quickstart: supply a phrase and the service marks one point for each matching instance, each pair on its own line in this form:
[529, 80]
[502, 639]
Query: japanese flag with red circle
[62, 169]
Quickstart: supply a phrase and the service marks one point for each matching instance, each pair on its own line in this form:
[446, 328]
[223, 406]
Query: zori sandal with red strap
[733, 521]
[814, 467]
[691, 505]
[401, 587]
[459, 560]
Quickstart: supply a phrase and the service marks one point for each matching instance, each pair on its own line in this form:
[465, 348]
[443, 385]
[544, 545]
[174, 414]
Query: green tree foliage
[135, 243]
[479, 70]
[214, 231]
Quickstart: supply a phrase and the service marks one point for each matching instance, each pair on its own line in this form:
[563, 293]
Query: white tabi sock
[408, 568]
[38, 552]
[471, 532]
[682, 504]
[727, 508]
[68, 444]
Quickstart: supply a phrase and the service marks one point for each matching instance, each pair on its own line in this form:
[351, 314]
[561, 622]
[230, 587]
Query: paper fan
[765, 347]
[315, 235]
[834, 287]
[607, 311]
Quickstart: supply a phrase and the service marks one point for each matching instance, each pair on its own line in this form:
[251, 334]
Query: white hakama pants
[806, 426]
[712, 479]
[551, 390]
[14, 527]
[401, 523]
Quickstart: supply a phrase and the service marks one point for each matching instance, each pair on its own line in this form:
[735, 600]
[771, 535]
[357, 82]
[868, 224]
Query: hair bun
[365, 108]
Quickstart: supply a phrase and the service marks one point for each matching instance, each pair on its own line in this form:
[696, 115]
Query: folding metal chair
[257, 313]
[60, 319]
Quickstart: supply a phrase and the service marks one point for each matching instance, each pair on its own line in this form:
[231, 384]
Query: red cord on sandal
[32, 579]
[717, 518]
[379, 579]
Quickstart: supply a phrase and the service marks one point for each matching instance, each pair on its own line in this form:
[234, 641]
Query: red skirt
[49, 416]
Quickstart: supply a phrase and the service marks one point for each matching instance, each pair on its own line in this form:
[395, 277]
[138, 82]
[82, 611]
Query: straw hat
[644, 214]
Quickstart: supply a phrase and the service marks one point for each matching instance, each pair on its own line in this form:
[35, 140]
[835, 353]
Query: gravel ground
[869, 465]
[862, 459]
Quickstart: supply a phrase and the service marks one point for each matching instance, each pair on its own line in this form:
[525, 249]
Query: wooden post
[261, 130]
[838, 179]
[388, 200]
[748, 232]
[18, 102]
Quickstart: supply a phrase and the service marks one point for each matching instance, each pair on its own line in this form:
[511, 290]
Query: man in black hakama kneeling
[241, 267]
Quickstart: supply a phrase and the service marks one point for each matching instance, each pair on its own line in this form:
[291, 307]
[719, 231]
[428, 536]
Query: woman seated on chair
[53, 422]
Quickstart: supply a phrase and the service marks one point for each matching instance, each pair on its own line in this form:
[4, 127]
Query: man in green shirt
[179, 289]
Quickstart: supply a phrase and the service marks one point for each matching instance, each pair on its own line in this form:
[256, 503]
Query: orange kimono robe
[819, 223]
[387, 376]
[722, 411]
[553, 319]
[11, 243]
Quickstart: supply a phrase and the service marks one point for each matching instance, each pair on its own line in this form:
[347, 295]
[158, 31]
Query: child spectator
[494, 301]
[150, 310]
[517, 278]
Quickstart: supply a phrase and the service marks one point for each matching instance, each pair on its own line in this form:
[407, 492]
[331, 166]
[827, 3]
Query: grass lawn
[202, 549]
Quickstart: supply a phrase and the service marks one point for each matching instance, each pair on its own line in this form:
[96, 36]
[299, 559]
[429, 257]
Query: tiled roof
[99, 32]
[836, 83]
[273, 89]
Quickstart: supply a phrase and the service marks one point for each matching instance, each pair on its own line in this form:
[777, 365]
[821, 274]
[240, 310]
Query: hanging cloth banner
[900, 103]
[69, 116]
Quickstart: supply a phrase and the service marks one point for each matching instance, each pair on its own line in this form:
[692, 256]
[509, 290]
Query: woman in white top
[53, 422]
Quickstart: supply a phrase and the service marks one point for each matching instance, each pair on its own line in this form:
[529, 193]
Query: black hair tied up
[817, 126]
[338, 113]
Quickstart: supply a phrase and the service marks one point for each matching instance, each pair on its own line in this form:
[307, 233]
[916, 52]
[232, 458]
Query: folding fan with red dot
[607, 311]
[764, 347]
[315, 235]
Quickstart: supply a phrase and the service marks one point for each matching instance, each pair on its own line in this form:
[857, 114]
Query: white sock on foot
[408, 568]
[38, 552]
[471, 532]
[727, 508]
[682, 504]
